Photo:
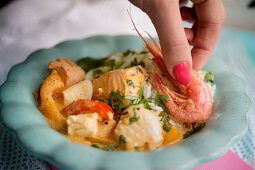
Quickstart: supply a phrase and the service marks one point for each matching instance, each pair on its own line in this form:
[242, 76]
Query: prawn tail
[156, 51]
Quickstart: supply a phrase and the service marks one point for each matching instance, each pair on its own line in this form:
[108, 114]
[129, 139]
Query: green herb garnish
[147, 79]
[130, 83]
[105, 148]
[144, 52]
[209, 77]
[119, 64]
[133, 119]
[127, 52]
[116, 101]
[194, 130]
[140, 92]
[89, 63]
[140, 70]
[166, 128]
[122, 139]
[164, 98]
[146, 105]
[136, 63]
[137, 149]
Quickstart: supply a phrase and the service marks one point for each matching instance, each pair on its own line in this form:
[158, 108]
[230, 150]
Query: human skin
[207, 17]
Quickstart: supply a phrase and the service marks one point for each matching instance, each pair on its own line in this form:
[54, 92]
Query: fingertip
[182, 73]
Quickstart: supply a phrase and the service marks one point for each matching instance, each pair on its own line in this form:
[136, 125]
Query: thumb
[165, 15]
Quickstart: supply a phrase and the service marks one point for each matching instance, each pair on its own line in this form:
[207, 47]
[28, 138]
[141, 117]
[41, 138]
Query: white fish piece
[85, 125]
[140, 128]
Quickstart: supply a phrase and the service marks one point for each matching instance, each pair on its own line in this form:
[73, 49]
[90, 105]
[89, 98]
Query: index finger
[210, 20]
[165, 15]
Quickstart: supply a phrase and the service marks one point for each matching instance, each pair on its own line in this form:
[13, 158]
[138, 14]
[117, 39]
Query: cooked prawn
[191, 102]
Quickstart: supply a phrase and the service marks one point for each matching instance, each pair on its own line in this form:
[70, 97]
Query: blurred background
[28, 25]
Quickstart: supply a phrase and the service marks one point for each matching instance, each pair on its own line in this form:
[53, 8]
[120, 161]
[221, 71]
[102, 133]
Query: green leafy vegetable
[122, 139]
[194, 130]
[166, 128]
[209, 77]
[127, 52]
[89, 63]
[133, 119]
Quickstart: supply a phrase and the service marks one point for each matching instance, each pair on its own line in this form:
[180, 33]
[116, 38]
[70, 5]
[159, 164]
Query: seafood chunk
[92, 126]
[124, 81]
[69, 72]
[85, 125]
[140, 128]
[49, 107]
[81, 90]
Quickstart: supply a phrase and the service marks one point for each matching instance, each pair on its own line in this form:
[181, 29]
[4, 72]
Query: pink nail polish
[182, 73]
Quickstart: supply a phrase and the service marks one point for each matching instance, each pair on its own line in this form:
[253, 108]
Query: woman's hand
[167, 16]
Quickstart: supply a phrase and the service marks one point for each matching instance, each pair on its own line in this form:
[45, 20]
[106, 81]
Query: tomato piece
[85, 106]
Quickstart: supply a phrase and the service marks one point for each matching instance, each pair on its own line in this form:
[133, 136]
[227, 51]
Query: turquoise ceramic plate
[20, 114]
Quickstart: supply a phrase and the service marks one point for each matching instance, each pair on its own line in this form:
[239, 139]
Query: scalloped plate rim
[192, 163]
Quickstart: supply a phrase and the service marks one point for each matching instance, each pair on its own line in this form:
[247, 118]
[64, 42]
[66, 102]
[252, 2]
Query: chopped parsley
[130, 83]
[105, 148]
[209, 77]
[164, 98]
[122, 139]
[119, 64]
[127, 52]
[146, 105]
[144, 52]
[137, 149]
[116, 101]
[147, 79]
[166, 128]
[193, 130]
[140, 70]
[133, 119]
[136, 63]
[140, 92]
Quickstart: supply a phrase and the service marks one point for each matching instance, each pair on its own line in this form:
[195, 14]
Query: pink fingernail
[182, 73]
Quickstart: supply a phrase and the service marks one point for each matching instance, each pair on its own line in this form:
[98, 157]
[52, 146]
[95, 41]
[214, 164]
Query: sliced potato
[81, 90]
